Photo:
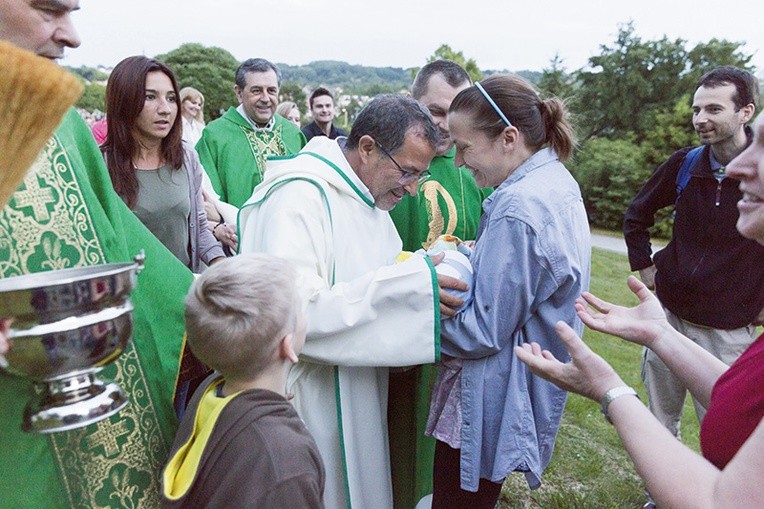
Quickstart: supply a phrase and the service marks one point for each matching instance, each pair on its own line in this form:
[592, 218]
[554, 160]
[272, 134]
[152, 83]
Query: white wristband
[615, 392]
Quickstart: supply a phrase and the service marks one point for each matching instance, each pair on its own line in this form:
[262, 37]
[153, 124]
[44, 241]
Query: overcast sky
[403, 33]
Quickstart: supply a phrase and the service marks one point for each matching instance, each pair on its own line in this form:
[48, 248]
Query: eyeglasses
[407, 177]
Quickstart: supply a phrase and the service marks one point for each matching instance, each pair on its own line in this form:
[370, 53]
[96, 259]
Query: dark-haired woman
[155, 173]
[531, 260]
[159, 176]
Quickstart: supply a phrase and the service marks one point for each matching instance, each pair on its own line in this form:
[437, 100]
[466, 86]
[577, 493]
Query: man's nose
[412, 188]
[65, 34]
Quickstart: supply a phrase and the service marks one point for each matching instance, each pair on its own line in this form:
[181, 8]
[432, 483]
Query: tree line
[631, 103]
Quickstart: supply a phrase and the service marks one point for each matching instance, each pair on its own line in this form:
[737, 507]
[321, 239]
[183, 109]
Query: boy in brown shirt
[241, 443]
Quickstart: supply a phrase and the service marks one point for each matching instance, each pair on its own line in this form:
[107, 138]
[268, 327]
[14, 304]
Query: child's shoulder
[265, 429]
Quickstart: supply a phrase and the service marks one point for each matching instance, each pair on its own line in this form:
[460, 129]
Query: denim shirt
[531, 260]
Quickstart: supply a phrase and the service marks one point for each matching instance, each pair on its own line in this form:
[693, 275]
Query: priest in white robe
[325, 210]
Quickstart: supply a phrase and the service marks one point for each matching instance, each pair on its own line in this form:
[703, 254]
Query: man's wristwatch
[615, 392]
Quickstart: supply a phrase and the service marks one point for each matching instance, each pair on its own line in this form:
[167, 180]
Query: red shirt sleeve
[736, 408]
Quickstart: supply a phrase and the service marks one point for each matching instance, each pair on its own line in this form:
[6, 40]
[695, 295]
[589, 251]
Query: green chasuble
[66, 214]
[233, 154]
[448, 203]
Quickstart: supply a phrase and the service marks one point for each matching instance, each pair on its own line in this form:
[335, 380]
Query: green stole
[66, 214]
[233, 153]
[449, 203]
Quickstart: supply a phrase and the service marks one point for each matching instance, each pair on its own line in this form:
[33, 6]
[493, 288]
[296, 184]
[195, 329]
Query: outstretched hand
[641, 324]
[586, 374]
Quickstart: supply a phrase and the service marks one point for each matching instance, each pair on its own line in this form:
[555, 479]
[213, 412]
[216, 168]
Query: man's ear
[286, 348]
[365, 147]
[748, 110]
[237, 91]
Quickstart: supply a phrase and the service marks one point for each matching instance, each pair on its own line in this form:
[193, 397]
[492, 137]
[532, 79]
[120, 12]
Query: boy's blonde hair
[238, 310]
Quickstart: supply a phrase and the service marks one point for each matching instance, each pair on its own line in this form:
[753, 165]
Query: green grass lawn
[590, 468]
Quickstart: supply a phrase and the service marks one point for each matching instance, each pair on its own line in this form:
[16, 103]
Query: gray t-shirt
[163, 207]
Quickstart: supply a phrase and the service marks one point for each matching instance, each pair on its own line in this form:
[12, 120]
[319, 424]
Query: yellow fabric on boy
[183, 465]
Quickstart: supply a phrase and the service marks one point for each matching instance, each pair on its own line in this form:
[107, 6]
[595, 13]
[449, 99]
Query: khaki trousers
[665, 393]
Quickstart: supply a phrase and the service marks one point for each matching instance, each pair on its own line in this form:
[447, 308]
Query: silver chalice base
[72, 402]
[68, 324]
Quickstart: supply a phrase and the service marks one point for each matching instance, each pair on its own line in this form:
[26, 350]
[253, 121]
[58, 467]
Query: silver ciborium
[67, 325]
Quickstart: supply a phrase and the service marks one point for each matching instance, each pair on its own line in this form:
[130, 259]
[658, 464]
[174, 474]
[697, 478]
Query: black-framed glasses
[407, 177]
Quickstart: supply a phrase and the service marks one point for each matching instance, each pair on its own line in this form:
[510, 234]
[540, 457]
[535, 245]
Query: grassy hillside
[361, 79]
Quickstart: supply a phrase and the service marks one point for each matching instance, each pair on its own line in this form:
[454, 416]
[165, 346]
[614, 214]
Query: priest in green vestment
[233, 149]
[64, 215]
[448, 203]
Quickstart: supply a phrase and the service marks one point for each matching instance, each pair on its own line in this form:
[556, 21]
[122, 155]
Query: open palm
[640, 324]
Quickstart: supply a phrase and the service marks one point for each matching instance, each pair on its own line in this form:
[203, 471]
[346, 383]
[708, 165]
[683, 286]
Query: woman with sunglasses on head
[732, 431]
[530, 260]
[152, 170]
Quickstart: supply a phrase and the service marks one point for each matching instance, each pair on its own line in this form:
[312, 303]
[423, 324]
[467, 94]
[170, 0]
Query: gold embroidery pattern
[46, 224]
[117, 462]
[264, 144]
[437, 226]
[113, 463]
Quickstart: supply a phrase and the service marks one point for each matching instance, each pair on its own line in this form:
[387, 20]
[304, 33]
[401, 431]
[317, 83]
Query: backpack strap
[683, 177]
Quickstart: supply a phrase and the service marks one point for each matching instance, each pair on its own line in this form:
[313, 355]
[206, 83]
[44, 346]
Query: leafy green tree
[88, 73]
[706, 56]
[610, 173]
[211, 70]
[292, 91]
[93, 98]
[555, 81]
[672, 130]
[445, 52]
[625, 85]
[633, 104]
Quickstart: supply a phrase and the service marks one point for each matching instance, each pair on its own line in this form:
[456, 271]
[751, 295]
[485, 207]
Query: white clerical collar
[267, 127]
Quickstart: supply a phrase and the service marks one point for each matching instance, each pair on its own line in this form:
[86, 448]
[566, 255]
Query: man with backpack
[709, 279]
